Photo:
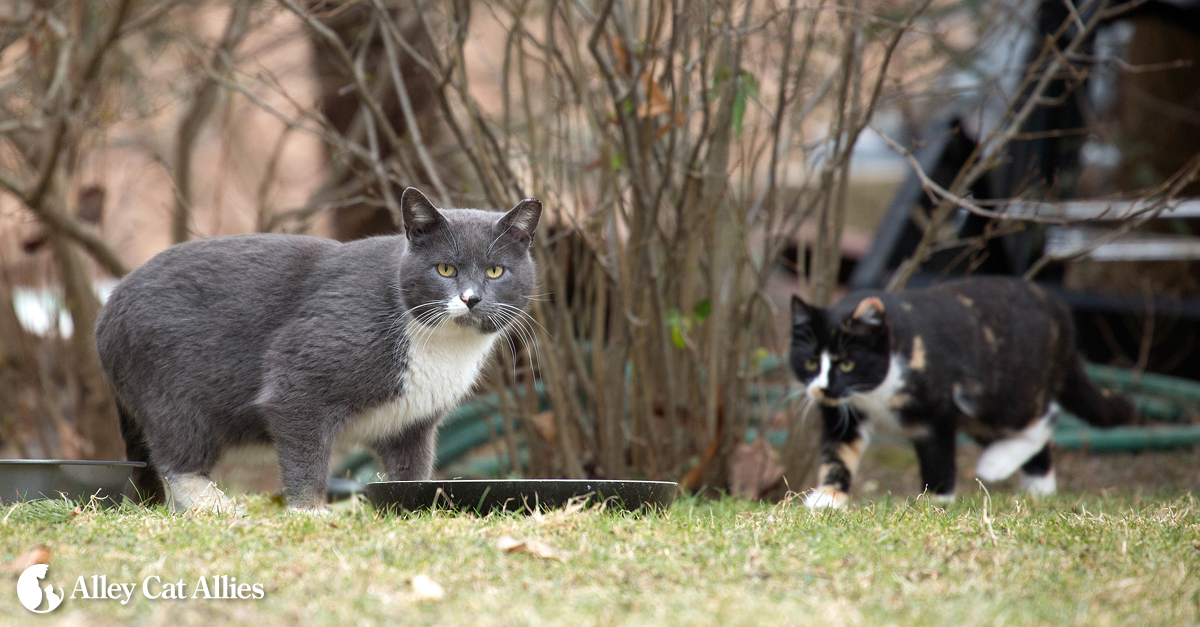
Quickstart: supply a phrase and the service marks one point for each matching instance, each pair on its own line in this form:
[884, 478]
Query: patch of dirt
[893, 468]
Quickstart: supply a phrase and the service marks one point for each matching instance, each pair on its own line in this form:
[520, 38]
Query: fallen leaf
[532, 546]
[426, 589]
[40, 555]
[753, 468]
[543, 423]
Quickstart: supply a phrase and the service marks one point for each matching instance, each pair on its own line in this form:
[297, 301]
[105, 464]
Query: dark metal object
[483, 496]
[31, 479]
[341, 488]
[897, 235]
[1038, 169]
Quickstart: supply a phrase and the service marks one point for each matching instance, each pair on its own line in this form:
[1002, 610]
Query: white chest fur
[880, 404]
[442, 366]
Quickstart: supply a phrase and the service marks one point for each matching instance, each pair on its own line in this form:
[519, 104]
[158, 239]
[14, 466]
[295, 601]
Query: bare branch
[410, 119]
[203, 102]
[34, 197]
[988, 151]
[1028, 212]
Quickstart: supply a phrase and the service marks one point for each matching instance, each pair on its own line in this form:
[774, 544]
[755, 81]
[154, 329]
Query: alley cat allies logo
[39, 596]
[29, 590]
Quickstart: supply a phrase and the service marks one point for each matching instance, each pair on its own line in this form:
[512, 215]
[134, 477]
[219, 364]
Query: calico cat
[302, 341]
[992, 357]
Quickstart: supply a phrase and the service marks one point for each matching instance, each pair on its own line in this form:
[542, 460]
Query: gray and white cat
[303, 342]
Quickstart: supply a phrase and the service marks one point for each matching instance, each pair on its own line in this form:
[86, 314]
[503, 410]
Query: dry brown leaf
[532, 546]
[662, 130]
[426, 589]
[656, 101]
[40, 555]
[753, 468]
[619, 54]
[543, 423]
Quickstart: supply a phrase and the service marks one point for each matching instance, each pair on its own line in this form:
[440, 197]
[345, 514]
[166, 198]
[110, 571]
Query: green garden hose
[1172, 402]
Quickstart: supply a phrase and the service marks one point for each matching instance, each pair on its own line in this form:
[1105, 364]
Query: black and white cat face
[469, 266]
[838, 352]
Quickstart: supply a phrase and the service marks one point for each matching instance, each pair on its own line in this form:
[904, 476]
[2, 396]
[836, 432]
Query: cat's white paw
[941, 499]
[826, 497]
[192, 493]
[1003, 457]
[1040, 485]
[998, 463]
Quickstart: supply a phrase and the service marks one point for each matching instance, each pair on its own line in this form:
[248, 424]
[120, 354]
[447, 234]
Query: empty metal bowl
[516, 495]
[30, 479]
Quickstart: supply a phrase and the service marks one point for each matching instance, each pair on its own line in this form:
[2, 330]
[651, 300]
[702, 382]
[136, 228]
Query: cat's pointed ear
[420, 216]
[521, 221]
[801, 312]
[868, 317]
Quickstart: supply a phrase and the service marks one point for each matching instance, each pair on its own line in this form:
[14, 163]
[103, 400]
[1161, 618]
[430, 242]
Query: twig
[989, 149]
[203, 102]
[34, 196]
[942, 194]
[410, 119]
[1147, 337]
[356, 73]
[987, 499]
[1153, 210]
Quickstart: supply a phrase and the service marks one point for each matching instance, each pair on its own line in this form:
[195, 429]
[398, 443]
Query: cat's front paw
[191, 493]
[1040, 485]
[826, 497]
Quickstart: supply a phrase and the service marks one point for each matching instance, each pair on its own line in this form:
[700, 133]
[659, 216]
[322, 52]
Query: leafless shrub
[679, 149]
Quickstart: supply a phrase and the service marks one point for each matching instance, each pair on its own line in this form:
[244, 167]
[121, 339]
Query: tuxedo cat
[302, 341]
[993, 357]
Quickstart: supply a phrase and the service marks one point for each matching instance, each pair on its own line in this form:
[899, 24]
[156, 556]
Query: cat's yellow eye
[446, 269]
[494, 272]
[846, 366]
[812, 364]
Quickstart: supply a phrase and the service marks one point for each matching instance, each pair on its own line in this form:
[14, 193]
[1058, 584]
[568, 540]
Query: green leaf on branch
[679, 325]
[677, 337]
[745, 89]
[757, 358]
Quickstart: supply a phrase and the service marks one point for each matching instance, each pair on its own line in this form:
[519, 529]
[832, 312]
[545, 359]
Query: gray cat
[303, 342]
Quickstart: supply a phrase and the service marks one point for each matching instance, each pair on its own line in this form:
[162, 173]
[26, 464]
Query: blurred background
[699, 162]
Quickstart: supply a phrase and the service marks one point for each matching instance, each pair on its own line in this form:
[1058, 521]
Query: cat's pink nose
[470, 300]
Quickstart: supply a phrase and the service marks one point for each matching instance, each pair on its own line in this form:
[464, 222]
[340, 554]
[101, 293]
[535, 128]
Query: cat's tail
[147, 483]
[1098, 407]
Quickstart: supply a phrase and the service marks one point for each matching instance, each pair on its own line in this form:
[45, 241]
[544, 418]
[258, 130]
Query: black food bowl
[30, 479]
[514, 495]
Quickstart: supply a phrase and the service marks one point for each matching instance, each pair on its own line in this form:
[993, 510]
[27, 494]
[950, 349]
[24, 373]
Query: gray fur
[286, 339]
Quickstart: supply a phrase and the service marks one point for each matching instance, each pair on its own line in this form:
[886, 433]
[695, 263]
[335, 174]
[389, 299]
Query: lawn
[1075, 559]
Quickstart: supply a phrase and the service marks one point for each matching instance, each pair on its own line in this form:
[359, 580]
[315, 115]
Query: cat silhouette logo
[30, 593]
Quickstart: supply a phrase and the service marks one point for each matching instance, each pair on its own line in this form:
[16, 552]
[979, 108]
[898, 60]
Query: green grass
[1080, 560]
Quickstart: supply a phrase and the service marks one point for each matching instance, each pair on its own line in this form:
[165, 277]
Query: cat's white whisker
[515, 327]
[511, 347]
[537, 349]
[516, 322]
[523, 318]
